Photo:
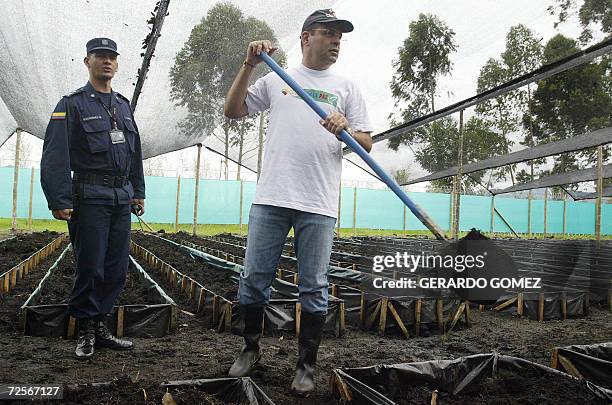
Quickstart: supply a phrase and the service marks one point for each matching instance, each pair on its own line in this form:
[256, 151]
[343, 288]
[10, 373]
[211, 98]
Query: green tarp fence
[219, 203]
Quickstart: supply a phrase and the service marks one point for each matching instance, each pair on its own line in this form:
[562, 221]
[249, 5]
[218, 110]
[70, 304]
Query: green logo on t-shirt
[317, 95]
[323, 96]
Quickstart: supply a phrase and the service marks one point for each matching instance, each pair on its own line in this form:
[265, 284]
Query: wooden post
[339, 206]
[451, 225]
[354, 211]
[491, 227]
[16, 178]
[599, 195]
[197, 191]
[260, 144]
[120, 314]
[31, 198]
[417, 317]
[241, 203]
[565, 216]
[382, 324]
[529, 213]
[178, 197]
[541, 307]
[545, 211]
[456, 216]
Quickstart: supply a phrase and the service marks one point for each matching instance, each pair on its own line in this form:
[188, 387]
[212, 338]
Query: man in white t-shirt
[299, 183]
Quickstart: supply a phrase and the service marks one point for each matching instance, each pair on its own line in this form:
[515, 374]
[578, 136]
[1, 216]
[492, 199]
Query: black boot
[252, 321]
[86, 341]
[105, 339]
[310, 337]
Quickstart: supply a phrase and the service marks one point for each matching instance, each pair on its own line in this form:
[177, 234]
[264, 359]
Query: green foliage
[591, 13]
[206, 66]
[571, 103]
[423, 57]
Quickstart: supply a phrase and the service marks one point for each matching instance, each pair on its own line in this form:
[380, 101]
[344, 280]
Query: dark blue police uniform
[107, 175]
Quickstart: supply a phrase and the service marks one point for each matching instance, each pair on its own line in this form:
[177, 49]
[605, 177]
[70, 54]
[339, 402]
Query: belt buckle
[106, 180]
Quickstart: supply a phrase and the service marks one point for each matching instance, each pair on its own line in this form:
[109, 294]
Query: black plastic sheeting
[279, 313]
[154, 320]
[376, 384]
[593, 362]
[580, 195]
[232, 390]
[588, 140]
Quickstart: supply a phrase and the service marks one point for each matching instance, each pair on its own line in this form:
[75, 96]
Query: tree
[571, 103]
[206, 66]
[401, 175]
[422, 59]
[591, 13]
[523, 54]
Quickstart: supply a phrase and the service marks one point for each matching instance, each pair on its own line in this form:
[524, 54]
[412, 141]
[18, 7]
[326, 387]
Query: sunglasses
[329, 33]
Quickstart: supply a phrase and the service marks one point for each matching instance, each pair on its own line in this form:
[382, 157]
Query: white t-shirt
[302, 160]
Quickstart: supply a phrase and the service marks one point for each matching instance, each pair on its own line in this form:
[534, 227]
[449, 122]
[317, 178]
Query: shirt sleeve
[55, 176]
[357, 111]
[258, 96]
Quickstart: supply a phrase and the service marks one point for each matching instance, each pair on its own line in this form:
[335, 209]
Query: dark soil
[57, 287]
[15, 250]
[529, 388]
[194, 350]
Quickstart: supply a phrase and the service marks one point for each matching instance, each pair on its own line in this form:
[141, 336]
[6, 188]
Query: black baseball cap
[326, 16]
[102, 44]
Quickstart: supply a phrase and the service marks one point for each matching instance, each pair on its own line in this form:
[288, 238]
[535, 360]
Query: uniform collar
[90, 93]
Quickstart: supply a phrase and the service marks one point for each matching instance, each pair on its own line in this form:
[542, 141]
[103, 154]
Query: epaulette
[123, 97]
[77, 91]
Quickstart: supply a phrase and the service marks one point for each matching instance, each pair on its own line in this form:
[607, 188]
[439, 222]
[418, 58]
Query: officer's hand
[255, 49]
[64, 214]
[141, 206]
[335, 123]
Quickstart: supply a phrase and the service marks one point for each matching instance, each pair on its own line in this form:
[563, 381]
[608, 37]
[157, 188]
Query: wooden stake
[599, 195]
[440, 314]
[506, 304]
[31, 198]
[457, 315]
[71, 327]
[215, 309]
[545, 211]
[541, 307]
[197, 190]
[554, 361]
[341, 320]
[201, 298]
[417, 317]
[298, 318]
[178, 198]
[468, 322]
[399, 321]
[563, 306]
[362, 307]
[382, 324]
[434, 397]
[569, 367]
[120, 321]
[519, 304]
[373, 315]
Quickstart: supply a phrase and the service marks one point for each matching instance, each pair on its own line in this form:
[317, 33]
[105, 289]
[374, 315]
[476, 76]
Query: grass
[39, 225]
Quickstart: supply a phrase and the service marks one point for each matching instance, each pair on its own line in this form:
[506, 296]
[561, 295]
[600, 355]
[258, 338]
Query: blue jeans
[268, 229]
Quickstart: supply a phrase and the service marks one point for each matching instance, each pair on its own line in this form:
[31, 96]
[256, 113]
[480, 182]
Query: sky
[367, 55]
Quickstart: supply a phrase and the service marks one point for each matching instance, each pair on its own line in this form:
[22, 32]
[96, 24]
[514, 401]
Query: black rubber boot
[105, 339]
[252, 321]
[86, 341]
[310, 337]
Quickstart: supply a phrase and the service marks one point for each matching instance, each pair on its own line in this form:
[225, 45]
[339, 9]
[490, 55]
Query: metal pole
[241, 202]
[260, 145]
[357, 148]
[16, 178]
[354, 211]
[492, 213]
[599, 195]
[197, 191]
[339, 206]
[178, 197]
[31, 198]
[545, 211]
[456, 216]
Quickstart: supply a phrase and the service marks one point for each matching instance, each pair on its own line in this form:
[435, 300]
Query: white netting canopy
[42, 45]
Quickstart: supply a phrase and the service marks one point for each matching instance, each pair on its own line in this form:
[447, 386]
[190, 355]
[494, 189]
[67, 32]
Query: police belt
[105, 180]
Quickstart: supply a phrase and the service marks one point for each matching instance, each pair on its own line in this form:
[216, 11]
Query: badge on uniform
[117, 136]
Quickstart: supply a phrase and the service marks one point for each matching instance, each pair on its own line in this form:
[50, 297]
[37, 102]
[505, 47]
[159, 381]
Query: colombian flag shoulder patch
[58, 116]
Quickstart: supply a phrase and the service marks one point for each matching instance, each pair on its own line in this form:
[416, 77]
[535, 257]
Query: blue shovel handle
[357, 148]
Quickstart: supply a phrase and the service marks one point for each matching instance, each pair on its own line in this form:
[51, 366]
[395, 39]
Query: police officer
[92, 132]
